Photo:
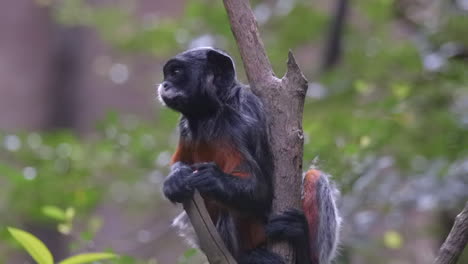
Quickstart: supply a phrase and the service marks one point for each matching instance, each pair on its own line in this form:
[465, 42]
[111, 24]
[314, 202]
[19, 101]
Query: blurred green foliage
[379, 101]
[35, 169]
[41, 254]
[44, 172]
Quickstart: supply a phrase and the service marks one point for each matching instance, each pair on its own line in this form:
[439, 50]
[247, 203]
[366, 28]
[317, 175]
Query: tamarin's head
[197, 81]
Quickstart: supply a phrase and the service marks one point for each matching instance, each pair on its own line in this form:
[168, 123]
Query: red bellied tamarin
[224, 153]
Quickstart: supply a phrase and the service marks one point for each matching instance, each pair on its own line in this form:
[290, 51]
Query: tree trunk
[284, 102]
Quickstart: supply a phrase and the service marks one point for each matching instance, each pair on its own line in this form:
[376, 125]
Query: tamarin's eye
[176, 71]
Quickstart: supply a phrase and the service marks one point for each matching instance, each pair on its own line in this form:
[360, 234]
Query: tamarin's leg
[291, 226]
[317, 227]
[260, 256]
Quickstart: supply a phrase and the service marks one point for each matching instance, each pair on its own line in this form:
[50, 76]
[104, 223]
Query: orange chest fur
[228, 159]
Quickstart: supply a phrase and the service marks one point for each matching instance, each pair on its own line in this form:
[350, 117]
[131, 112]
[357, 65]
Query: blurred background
[85, 146]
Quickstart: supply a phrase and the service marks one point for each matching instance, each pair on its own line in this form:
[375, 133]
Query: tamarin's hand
[207, 178]
[176, 186]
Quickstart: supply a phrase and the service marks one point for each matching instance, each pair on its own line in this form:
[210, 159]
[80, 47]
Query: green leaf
[54, 212]
[400, 90]
[87, 258]
[393, 239]
[190, 253]
[64, 228]
[38, 251]
[70, 213]
[362, 86]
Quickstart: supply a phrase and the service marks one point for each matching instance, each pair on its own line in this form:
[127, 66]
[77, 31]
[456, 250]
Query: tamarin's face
[195, 80]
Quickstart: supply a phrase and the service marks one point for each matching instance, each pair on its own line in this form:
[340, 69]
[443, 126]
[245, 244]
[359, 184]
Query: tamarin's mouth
[169, 92]
[170, 96]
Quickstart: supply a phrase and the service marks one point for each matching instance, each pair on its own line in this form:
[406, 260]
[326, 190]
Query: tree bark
[456, 240]
[284, 102]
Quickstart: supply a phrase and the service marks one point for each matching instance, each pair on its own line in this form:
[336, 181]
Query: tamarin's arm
[242, 187]
[241, 190]
[175, 187]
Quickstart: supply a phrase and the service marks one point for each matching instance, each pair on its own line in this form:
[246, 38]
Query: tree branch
[334, 43]
[245, 30]
[209, 239]
[456, 240]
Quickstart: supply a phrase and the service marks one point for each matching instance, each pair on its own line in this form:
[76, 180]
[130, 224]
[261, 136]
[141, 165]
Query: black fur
[201, 84]
[260, 256]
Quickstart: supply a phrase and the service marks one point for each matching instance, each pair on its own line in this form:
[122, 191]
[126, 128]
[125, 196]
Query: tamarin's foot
[290, 225]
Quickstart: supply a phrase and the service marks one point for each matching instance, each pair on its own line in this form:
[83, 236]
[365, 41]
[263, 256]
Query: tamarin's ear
[222, 67]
